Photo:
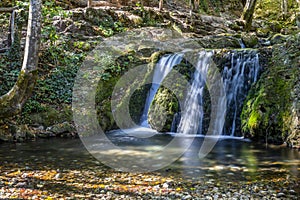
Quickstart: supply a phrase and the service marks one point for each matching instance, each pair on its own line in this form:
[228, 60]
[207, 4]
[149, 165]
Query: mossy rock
[12, 132]
[270, 107]
[275, 27]
[59, 129]
[134, 92]
[166, 103]
[250, 40]
[278, 39]
[50, 116]
[6, 133]
[162, 110]
[263, 32]
[98, 17]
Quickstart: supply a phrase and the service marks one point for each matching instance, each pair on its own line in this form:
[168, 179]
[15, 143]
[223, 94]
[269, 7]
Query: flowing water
[238, 75]
[234, 167]
[162, 68]
[191, 119]
[231, 164]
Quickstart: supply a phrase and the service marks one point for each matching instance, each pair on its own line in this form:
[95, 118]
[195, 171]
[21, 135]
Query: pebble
[58, 176]
[292, 192]
[281, 194]
[187, 197]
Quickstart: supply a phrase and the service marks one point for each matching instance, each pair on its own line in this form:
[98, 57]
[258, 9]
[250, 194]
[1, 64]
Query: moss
[254, 120]
[250, 40]
[124, 92]
[162, 110]
[169, 96]
[48, 116]
[267, 110]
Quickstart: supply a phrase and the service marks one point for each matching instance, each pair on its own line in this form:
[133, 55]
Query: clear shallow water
[237, 155]
[231, 163]
[229, 155]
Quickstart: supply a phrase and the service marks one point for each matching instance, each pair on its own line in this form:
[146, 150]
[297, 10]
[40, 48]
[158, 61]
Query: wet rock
[21, 185]
[45, 134]
[277, 91]
[59, 129]
[292, 191]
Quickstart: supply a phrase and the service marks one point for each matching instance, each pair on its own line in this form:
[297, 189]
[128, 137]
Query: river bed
[60, 168]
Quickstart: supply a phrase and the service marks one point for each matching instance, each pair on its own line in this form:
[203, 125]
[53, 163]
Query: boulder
[250, 40]
[272, 110]
[59, 129]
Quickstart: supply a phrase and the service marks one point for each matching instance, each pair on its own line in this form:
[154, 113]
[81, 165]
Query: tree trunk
[89, 3]
[160, 6]
[248, 12]
[284, 8]
[194, 5]
[11, 103]
[11, 36]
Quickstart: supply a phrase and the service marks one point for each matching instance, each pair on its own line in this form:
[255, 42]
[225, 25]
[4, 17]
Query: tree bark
[89, 3]
[6, 10]
[194, 5]
[11, 103]
[160, 6]
[284, 8]
[11, 36]
[248, 12]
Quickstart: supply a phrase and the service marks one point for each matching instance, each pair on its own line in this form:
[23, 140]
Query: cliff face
[272, 109]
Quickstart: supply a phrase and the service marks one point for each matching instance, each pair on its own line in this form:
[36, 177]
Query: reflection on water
[230, 160]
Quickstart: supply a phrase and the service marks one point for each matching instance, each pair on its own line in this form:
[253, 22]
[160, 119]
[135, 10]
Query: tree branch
[8, 9]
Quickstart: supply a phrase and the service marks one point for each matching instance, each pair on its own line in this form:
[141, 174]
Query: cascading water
[237, 78]
[191, 119]
[242, 43]
[162, 68]
[238, 74]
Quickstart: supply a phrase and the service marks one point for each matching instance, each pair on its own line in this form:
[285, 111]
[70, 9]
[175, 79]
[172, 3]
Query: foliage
[50, 10]
[56, 86]
[268, 105]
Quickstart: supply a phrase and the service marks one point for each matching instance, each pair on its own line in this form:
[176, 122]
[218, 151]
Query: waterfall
[242, 43]
[238, 74]
[237, 78]
[191, 119]
[162, 68]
